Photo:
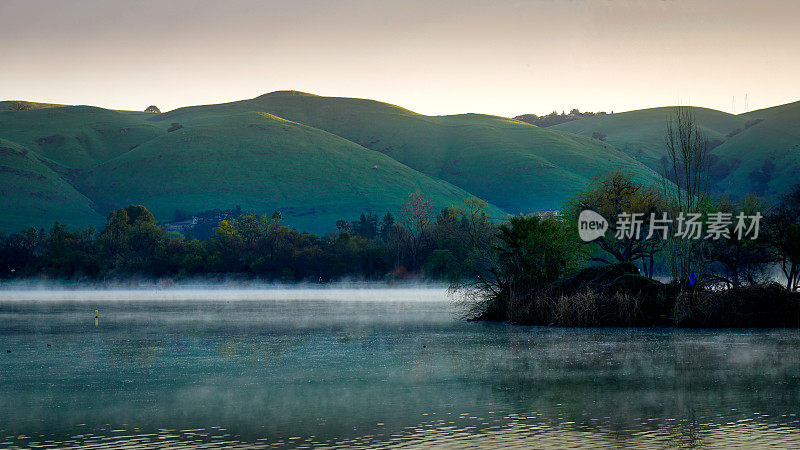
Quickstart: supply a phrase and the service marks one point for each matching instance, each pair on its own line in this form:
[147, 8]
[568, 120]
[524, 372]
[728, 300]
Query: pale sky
[434, 57]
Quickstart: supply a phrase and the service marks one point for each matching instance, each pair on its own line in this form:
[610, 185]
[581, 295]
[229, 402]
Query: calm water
[373, 368]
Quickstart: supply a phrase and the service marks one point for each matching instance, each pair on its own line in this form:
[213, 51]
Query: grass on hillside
[640, 133]
[765, 157]
[77, 137]
[33, 195]
[262, 163]
[514, 165]
[218, 156]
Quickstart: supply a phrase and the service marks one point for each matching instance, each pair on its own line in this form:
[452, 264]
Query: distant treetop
[20, 106]
[555, 118]
[152, 109]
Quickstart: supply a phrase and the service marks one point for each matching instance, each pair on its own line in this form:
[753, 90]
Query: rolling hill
[76, 137]
[514, 165]
[757, 152]
[319, 159]
[32, 194]
[640, 133]
[763, 158]
[262, 163]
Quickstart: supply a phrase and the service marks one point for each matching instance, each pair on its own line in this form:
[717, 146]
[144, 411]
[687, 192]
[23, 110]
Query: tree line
[420, 242]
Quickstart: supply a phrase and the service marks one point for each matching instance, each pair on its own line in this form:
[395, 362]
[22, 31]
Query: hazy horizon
[505, 58]
[563, 110]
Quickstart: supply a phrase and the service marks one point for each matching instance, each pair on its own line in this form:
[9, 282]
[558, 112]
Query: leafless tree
[416, 219]
[685, 185]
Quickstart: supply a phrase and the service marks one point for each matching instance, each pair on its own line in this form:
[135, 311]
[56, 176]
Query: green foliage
[69, 254]
[131, 241]
[610, 195]
[535, 251]
[531, 253]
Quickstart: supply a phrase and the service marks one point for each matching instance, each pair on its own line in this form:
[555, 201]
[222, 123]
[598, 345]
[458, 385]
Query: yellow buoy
[96, 314]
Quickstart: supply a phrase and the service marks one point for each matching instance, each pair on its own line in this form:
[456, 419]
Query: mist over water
[347, 292]
[372, 367]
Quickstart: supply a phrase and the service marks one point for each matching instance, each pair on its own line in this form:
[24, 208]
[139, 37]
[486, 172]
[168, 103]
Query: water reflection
[292, 372]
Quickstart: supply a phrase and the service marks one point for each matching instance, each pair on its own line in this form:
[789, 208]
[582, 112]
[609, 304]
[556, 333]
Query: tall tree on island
[685, 185]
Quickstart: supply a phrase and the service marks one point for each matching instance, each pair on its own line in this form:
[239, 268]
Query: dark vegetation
[554, 118]
[174, 126]
[747, 125]
[419, 243]
[540, 275]
[20, 106]
[540, 272]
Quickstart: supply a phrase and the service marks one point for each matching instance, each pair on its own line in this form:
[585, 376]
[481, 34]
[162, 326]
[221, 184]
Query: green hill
[262, 163]
[640, 133]
[31, 194]
[765, 157]
[514, 165]
[756, 152]
[319, 159]
[13, 105]
[766, 113]
[77, 137]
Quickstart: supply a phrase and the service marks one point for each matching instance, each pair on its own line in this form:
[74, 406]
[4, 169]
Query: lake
[372, 368]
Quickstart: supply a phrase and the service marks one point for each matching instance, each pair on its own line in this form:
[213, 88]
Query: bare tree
[685, 185]
[416, 219]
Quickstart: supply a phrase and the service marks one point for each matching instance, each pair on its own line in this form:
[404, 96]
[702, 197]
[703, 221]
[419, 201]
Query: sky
[502, 57]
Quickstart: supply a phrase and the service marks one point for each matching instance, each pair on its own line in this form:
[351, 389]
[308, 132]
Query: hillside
[514, 165]
[766, 113]
[640, 133]
[15, 105]
[320, 159]
[765, 157]
[261, 163]
[76, 137]
[756, 152]
[31, 194]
